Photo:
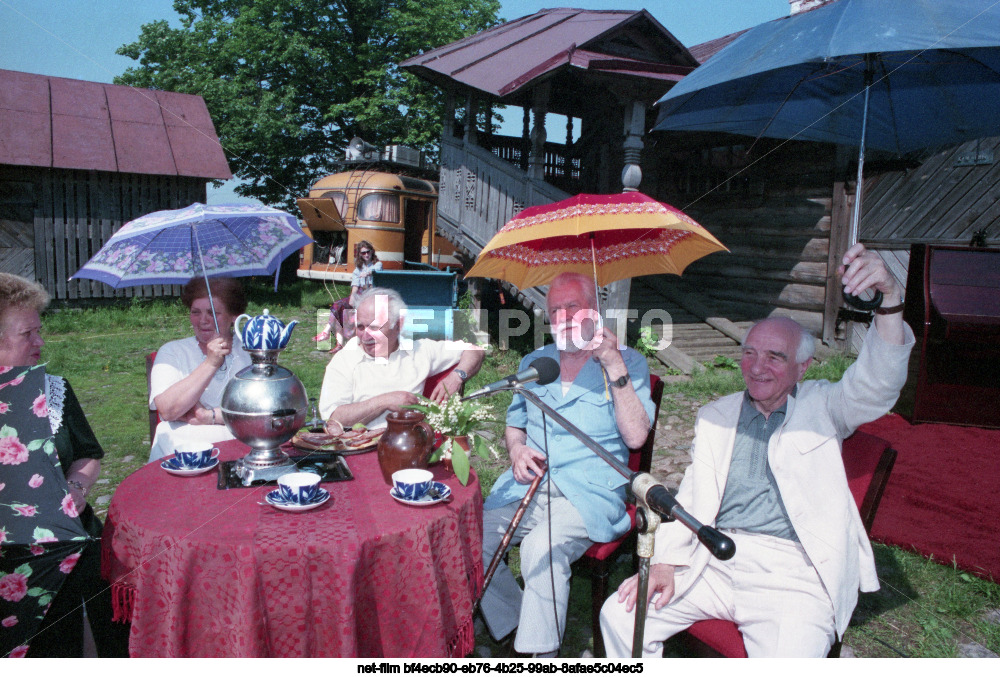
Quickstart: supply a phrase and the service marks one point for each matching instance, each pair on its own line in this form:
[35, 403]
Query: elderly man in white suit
[766, 470]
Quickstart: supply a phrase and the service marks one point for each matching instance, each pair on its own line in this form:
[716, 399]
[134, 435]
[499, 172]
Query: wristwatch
[461, 374]
[621, 381]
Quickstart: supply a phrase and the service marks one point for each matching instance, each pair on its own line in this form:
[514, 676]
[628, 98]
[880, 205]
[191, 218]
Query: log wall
[52, 221]
[771, 208]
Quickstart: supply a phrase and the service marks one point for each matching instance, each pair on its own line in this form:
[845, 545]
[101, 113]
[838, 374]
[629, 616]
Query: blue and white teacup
[194, 456]
[411, 483]
[300, 488]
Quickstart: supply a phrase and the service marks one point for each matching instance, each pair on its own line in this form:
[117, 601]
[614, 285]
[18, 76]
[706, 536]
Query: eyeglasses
[366, 251]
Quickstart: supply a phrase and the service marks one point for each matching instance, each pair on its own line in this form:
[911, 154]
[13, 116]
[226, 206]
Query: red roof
[502, 60]
[704, 50]
[75, 124]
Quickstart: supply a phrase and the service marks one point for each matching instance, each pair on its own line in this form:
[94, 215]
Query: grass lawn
[924, 608]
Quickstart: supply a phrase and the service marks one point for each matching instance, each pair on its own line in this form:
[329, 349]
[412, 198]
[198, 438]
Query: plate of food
[356, 440]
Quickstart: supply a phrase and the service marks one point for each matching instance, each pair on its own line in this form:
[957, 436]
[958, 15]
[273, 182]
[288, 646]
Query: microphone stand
[654, 502]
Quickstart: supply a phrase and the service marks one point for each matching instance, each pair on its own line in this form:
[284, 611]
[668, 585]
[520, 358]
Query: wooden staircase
[697, 335]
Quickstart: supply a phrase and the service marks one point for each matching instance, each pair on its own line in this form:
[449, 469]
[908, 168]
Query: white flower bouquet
[454, 419]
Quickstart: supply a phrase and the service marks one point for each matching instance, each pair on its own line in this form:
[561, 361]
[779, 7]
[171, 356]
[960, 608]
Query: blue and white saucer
[444, 493]
[174, 468]
[274, 498]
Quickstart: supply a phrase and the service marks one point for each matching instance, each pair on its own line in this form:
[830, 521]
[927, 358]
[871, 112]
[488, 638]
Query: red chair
[600, 558]
[868, 461]
[434, 379]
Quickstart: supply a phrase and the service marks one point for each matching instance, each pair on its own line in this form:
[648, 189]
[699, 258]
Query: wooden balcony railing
[479, 193]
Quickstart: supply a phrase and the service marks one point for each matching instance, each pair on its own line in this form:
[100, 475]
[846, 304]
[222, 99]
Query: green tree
[289, 82]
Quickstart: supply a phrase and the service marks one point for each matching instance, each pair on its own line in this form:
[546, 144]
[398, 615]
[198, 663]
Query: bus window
[379, 207]
[339, 200]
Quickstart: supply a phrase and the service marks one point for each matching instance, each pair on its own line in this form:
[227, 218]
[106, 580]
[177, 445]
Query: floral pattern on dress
[41, 536]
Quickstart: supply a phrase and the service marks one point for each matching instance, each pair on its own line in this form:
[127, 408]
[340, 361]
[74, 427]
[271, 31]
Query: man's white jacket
[804, 455]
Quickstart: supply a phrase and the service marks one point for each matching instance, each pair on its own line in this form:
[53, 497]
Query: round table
[206, 572]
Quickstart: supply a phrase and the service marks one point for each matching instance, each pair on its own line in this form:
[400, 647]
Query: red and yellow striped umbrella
[610, 236]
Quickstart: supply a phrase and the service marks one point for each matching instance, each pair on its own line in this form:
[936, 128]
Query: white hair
[807, 342]
[397, 306]
[583, 282]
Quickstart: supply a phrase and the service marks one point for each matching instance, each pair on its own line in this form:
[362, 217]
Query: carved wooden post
[525, 138]
[536, 161]
[617, 293]
[448, 124]
[471, 103]
[635, 122]
[567, 160]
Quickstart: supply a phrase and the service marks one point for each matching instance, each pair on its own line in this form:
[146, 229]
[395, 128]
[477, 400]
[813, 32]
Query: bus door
[415, 221]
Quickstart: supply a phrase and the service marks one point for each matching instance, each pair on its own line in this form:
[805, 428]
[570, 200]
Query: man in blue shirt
[604, 391]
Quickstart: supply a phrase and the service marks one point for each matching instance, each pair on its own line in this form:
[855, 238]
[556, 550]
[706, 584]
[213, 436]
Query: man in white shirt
[379, 371]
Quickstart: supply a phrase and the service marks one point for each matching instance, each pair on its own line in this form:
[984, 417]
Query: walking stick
[505, 541]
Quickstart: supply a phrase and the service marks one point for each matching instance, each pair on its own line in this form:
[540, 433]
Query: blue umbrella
[174, 245]
[934, 68]
[897, 75]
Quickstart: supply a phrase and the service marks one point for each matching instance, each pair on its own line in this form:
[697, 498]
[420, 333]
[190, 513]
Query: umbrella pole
[859, 183]
[851, 299]
[597, 299]
[208, 287]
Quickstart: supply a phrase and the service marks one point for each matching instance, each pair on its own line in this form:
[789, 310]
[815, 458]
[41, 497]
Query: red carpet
[943, 497]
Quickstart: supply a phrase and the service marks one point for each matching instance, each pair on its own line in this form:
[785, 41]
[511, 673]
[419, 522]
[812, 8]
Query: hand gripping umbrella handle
[861, 304]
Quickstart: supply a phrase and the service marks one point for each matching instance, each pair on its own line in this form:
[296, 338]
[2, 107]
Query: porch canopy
[584, 53]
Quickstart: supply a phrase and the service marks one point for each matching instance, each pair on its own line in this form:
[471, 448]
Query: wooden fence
[72, 214]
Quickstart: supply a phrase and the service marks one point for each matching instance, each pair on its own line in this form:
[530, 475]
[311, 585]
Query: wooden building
[603, 69]
[80, 159]
[783, 208]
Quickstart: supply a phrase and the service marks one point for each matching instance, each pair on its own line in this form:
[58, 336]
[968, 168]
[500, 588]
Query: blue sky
[78, 38]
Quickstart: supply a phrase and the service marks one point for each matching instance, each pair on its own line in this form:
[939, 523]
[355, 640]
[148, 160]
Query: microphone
[657, 498]
[545, 370]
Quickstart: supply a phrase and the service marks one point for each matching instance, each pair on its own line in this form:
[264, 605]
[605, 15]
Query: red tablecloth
[204, 572]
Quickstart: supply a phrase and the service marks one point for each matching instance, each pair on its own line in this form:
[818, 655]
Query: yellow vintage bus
[396, 213]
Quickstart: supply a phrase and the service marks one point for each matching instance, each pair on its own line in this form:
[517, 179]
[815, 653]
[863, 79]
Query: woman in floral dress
[49, 535]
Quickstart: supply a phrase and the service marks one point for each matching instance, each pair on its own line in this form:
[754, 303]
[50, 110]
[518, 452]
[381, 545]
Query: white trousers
[532, 612]
[769, 588]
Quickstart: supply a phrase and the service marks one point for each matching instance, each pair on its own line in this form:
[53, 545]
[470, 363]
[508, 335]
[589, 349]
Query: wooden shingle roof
[74, 124]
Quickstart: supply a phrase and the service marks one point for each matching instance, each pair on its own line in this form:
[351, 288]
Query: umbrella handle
[861, 304]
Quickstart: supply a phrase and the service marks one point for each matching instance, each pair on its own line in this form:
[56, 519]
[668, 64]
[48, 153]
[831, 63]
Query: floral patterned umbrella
[174, 245]
[41, 536]
[611, 237]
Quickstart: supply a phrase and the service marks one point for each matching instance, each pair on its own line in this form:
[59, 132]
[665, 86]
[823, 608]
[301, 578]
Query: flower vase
[463, 441]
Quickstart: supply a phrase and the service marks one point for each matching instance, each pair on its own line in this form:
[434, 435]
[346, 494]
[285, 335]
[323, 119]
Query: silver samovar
[265, 404]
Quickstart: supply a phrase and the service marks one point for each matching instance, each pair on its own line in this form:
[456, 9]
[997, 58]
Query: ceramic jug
[264, 332]
[406, 443]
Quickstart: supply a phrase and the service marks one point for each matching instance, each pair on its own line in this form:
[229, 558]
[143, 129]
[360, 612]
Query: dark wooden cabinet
[953, 305]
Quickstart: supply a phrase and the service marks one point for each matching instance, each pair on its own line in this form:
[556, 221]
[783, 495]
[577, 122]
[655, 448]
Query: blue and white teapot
[264, 332]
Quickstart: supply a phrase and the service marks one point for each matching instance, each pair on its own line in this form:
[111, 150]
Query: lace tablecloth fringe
[464, 641]
[122, 601]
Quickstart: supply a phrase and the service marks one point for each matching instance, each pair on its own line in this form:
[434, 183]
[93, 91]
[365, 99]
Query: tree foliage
[289, 82]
